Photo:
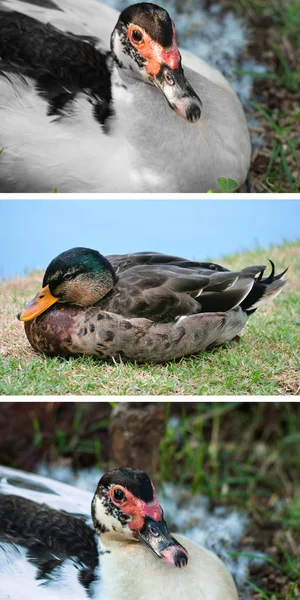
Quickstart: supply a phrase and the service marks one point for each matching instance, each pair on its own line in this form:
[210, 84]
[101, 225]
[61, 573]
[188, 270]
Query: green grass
[79, 438]
[276, 105]
[246, 456]
[264, 361]
[279, 176]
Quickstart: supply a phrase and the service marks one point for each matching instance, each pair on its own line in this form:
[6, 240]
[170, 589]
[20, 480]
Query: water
[34, 232]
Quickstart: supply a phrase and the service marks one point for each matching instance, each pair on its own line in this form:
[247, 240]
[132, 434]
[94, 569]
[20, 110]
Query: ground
[263, 361]
[275, 42]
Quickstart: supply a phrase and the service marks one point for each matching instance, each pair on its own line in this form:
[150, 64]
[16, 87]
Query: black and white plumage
[50, 536]
[139, 558]
[48, 546]
[86, 107]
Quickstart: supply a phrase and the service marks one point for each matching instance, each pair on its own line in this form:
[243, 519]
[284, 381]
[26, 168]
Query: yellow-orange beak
[38, 305]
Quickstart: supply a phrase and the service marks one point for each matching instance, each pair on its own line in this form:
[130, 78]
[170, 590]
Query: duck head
[78, 276]
[144, 44]
[125, 507]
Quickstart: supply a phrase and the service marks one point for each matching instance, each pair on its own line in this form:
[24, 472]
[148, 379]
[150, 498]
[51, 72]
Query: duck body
[213, 579]
[62, 91]
[142, 307]
[139, 559]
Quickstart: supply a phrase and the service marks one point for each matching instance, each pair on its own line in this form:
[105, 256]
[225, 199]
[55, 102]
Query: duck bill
[156, 535]
[178, 93]
[38, 305]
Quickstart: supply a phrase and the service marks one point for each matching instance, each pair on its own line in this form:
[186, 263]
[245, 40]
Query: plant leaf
[227, 185]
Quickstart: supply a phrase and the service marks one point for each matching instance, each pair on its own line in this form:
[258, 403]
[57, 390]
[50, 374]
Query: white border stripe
[238, 197]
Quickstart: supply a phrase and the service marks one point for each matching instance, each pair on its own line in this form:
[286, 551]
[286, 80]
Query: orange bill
[38, 305]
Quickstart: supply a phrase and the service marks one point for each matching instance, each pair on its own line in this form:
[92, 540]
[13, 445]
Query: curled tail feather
[264, 289]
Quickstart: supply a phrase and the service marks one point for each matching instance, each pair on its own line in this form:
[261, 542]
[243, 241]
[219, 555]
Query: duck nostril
[169, 79]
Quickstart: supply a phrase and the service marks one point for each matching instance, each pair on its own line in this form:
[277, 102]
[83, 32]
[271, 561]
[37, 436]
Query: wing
[89, 19]
[167, 291]
[49, 79]
[121, 262]
[42, 531]
[35, 552]
[60, 64]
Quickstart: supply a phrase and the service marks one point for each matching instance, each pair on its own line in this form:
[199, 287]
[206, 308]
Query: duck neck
[125, 82]
[88, 291]
[106, 283]
[121, 561]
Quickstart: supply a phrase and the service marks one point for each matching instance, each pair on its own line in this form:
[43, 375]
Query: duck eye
[137, 36]
[169, 79]
[119, 496]
[68, 277]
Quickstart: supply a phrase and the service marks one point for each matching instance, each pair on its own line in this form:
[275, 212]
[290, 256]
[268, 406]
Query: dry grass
[13, 294]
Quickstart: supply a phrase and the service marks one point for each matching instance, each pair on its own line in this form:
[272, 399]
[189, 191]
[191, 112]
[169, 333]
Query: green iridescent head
[78, 276]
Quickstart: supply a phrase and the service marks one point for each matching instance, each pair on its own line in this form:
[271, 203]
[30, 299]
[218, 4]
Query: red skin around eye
[137, 508]
[154, 52]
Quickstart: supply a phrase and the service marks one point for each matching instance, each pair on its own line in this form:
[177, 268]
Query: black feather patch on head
[153, 19]
[135, 481]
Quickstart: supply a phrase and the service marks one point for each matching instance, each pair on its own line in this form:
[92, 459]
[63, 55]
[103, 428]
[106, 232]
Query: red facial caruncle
[135, 507]
[153, 51]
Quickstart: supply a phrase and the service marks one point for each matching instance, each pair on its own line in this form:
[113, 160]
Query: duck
[96, 101]
[139, 558]
[143, 307]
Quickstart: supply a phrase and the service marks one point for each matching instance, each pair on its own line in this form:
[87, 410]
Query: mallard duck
[138, 556]
[93, 101]
[144, 307]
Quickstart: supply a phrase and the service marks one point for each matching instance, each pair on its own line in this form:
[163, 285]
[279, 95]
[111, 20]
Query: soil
[269, 93]
[264, 537]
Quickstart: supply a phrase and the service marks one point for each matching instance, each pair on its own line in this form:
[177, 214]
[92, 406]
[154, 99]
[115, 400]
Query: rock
[136, 431]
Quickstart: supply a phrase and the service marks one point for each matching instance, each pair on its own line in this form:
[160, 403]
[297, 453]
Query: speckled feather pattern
[70, 331]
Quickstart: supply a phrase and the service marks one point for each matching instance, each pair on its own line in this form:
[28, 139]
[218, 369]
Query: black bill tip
[193, 113]
[180, 559]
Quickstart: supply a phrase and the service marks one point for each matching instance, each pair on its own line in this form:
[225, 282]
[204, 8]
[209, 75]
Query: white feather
[18, 579]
